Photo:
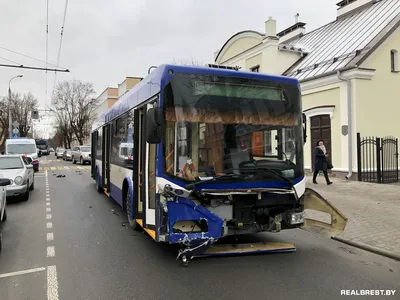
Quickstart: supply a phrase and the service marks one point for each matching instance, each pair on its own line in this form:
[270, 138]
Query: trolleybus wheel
[132, 223]
[185, 261]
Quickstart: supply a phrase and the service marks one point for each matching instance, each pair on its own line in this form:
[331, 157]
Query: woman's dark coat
[320, 161]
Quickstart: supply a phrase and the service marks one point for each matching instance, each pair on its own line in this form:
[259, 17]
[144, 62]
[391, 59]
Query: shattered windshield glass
[216, 125]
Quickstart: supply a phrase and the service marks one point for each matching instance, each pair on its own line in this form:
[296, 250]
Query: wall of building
[378, 100]
[316, 102]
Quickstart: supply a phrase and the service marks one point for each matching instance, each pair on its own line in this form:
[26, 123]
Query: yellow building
[348, 71]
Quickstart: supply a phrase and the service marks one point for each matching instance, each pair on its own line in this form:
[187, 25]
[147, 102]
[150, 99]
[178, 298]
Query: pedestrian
[321, 162]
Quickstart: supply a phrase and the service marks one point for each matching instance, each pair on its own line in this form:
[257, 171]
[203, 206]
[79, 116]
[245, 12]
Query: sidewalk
[373, 212]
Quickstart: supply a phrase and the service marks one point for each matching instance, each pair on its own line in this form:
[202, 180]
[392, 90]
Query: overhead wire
[15, 52]
[47, 52]
[9, 60]
[61, 38]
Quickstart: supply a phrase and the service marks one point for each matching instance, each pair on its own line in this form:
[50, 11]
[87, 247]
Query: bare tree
[21, 109]
[74, 107]
[187, 62]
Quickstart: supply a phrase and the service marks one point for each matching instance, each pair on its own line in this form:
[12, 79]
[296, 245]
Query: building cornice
[355, 73]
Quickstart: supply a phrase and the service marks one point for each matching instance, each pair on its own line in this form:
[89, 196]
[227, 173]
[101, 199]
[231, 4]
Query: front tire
[1, 236]
[132, 223]
[98, 187]
[25, 197]
[4, 215]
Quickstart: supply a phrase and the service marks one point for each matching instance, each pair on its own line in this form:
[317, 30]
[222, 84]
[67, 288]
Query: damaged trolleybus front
[222, 155]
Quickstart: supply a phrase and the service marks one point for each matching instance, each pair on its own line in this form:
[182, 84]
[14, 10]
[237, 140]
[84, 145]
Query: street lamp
[9, 106]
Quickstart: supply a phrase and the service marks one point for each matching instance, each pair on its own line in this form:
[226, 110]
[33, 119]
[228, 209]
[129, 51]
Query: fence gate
[377, 159]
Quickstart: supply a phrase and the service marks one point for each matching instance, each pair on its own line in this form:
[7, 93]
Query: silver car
[82, 154]
[19, 170]
[3, 205]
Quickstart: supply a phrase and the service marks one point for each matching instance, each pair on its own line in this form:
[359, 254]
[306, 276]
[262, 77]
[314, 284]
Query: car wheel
[4, 215]
[1, 237]
[25, 197]
[32, 187]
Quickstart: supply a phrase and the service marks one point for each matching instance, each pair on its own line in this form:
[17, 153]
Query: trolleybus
[196, 154]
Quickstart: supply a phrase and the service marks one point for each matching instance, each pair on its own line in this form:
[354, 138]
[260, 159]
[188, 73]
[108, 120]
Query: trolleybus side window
[99, 145]
[122, 145]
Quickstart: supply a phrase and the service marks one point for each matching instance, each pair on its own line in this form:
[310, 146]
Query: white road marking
[49, 225]
[47, 199]
[53, 168]
[48, 203]
[51, 251]
[66, 168]
[48, 209]
[21, 272]
[48, 216]
[50, 236]
[52, 283]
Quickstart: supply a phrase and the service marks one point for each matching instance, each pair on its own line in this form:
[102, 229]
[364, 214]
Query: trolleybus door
[150, 177]
[144, 170]
[106, 157]
[93, 145]
[138, 165]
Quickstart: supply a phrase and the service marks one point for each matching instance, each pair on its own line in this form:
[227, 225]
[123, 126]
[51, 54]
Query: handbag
[330, 166]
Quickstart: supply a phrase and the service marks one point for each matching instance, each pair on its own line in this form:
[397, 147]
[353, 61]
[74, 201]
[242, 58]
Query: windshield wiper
[193, 184]
[287, 180]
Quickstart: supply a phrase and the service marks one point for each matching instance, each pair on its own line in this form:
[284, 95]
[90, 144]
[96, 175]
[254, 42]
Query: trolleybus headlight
[296, 218]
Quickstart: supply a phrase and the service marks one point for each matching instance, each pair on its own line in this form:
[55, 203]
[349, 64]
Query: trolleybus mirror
[305, 128]
[155, 125]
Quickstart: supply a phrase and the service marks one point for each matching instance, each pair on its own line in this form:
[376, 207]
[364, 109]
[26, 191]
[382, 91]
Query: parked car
[3, 206]
[19, 170]
[59, 152]
[67, 155]
[81, 154]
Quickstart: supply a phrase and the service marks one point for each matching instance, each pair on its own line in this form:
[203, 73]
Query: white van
[25, 146]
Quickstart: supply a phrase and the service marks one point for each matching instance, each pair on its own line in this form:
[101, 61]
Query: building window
[255, 69]
[394, 60]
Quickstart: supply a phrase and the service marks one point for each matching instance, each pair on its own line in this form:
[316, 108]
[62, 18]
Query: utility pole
[9, 106]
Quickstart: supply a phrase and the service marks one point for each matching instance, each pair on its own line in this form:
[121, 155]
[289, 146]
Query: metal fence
[377, 159]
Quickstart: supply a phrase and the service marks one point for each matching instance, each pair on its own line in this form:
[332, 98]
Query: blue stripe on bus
[236, 185]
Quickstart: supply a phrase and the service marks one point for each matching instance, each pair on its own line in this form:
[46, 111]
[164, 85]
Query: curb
[368, 248]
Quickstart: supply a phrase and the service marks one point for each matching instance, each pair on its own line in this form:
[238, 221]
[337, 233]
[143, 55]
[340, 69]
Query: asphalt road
[88, 253]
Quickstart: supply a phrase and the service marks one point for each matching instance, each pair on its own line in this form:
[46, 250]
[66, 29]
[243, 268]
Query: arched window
[394, 60]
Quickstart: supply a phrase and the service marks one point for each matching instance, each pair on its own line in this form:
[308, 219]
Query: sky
[105, 41]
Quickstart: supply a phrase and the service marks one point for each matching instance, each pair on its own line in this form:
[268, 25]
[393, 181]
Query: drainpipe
[349, 122]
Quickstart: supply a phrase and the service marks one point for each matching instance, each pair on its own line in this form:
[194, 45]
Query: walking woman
[320, 162]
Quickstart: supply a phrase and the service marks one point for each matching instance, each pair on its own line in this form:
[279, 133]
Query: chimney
[350, 6]
[270, 27]
[293, 32]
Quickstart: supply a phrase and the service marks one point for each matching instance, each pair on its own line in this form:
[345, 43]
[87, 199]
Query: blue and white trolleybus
[196, 154]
